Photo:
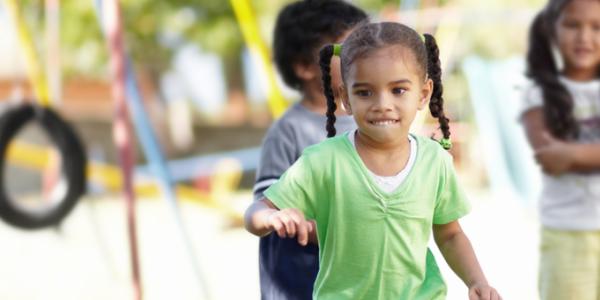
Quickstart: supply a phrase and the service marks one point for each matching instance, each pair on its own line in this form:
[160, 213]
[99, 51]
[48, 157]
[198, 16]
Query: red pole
[122, 133]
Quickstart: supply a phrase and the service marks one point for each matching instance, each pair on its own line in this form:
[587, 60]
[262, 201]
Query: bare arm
[262, 217]
[457, 250]
[535, 128]
[255, 218]
[586, 157]
[557, 156]
[458, 253]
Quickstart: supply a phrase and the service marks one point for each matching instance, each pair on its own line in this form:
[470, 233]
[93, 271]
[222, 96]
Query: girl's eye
[398, 91]
[363, 93]
[570, 24]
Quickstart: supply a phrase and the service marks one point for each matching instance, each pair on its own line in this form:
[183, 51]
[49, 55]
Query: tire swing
[72, 183]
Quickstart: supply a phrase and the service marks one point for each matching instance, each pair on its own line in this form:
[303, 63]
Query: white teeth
[384, 122]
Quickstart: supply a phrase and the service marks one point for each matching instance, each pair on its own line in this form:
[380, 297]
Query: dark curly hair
[374, 36]
[543, 70]
[303, 26]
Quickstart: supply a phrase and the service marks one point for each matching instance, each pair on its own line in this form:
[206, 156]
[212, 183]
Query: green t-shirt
[373, 244]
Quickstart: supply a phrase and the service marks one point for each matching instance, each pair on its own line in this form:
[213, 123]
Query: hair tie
[337, 49]
[446, 143]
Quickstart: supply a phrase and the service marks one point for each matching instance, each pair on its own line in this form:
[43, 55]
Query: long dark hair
[543, 70]
[374, 36]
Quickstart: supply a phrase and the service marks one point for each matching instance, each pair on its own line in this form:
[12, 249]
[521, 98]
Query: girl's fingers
[278, 227]
[302, 227]
[311, 226]
[299, 222]
[290, 225]
[473, 294]
[486, 293]
[303, 233]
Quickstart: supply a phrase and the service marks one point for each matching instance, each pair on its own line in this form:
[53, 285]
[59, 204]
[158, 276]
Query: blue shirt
[288, 270]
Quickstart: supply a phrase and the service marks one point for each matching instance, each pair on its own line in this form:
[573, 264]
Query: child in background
[562, 122]
[288, 270]
[377, 192]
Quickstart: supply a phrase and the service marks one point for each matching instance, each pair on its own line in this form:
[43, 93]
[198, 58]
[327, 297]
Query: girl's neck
[383, 159]
[580, 74]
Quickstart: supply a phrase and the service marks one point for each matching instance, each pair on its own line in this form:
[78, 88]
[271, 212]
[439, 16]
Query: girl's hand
[555, 157]
[290, 222]
[483, 292]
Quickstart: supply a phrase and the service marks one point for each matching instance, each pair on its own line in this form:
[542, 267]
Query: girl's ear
[344, 99]
[426, 91]
[306, 72]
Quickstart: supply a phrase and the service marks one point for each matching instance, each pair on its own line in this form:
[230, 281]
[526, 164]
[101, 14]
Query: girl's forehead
[577, 7]
[391, 52]
[385, 57]
[581, 11]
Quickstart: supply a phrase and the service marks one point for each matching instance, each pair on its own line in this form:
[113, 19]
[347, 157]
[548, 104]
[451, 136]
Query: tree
[153, 30]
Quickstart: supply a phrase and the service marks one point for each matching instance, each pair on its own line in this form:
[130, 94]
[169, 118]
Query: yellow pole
[53, 59]
[249, 26]
[36, 76]
[37, 157]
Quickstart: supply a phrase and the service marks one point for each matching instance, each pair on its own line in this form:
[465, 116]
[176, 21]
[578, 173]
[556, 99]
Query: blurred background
[202, 71]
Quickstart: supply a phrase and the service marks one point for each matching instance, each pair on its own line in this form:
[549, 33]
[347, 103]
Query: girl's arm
[262, 217]
[558, 156]
[458, 252]
[256, 216]
[554, 155]
[535, 128]
[586, 157]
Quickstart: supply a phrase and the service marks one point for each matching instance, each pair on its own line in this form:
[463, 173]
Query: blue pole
[153, 153]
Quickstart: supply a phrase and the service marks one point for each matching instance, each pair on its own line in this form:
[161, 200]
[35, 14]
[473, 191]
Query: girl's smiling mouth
[383, 122]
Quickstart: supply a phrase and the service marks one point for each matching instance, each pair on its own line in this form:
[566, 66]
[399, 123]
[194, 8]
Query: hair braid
[325, 63]
[434, 72]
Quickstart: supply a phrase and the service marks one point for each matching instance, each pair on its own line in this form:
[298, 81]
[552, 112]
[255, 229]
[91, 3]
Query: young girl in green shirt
[377, 193]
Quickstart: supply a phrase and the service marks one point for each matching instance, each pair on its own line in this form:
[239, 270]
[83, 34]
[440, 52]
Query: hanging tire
[73, 166]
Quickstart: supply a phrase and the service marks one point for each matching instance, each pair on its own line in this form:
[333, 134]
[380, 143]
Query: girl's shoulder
[432, 161]
[530, 90]
[430, 150]
[329, 146]
[428, 145]
[531, 96]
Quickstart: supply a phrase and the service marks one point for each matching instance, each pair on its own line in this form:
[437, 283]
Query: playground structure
[126, 98]
[162, 178]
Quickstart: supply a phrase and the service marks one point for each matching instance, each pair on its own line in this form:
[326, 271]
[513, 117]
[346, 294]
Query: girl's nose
[585, 35]
[384, 102]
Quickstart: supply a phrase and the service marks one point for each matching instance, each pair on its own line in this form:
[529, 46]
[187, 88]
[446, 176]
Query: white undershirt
[390, 183]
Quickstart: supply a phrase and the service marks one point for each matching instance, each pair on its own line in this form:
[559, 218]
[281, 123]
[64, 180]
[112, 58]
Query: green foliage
[152, 29]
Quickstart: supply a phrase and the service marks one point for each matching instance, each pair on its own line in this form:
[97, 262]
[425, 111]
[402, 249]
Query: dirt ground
[88, 257]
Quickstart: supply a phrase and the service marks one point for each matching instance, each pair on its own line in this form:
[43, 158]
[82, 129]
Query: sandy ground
[88, 258]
